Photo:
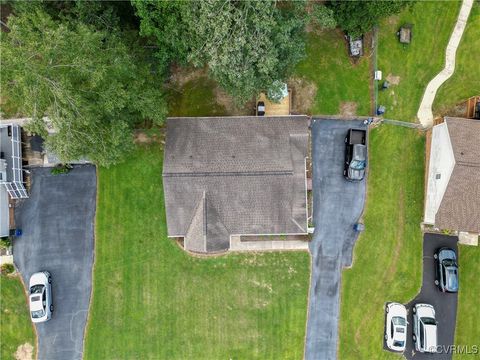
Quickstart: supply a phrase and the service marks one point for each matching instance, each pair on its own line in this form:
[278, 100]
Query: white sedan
[40, 296]
[396, 327]
[424, 328]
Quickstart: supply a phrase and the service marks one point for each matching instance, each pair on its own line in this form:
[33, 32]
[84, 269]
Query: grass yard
[336, 79]
[153, 301]
[194, 98]
[16, 327]
[465, 82]
[468, 312]
[413, 66]
[388, 256]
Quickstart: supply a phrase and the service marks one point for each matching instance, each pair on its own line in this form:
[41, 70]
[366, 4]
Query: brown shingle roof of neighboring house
[460, 205]
[234, 175]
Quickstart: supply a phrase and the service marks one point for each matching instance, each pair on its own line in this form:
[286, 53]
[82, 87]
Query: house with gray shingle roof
[225, 176]
[452, 199]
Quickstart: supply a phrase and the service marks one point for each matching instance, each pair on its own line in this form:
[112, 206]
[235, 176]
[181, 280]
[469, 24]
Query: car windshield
[397, 320]
[357, 165]
[38, 314]
[398, 343]
[428, 321]
[36, 289]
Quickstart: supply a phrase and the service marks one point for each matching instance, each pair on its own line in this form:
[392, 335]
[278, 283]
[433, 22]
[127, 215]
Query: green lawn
[337, 80]
[415, 64]
[153, 301]
[465, 82]
[194, 98]
[388, 256]
[468, 312]
[16, 328]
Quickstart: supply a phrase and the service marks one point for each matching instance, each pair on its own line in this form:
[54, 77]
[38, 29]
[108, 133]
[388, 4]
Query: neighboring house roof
[457, 204]
[11, 171]
[234, 175]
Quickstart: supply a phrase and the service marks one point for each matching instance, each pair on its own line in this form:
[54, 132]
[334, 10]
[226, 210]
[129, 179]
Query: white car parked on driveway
[40, 296]
[396, 326]
[424, 328]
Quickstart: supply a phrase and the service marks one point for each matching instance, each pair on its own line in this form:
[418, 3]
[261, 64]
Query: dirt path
[425, 114]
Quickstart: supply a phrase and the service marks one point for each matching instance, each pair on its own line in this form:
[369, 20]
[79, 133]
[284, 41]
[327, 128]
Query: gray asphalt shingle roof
[460, 206]
[234, 175]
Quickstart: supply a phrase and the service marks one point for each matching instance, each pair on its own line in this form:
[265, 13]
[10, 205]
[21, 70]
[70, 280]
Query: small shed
[405, 34]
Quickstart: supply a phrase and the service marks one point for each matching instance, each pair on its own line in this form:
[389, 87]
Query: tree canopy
[90, 84]
[247, 45]
[358, 17]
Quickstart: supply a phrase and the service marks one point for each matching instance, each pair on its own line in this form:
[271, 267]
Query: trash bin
[16, 232]
[359, 227]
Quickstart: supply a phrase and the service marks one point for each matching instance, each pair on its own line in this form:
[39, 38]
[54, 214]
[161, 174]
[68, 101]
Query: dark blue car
[446, 270]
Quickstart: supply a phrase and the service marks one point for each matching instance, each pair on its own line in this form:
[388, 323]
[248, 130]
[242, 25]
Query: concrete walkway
[267, 245]
[425, 114]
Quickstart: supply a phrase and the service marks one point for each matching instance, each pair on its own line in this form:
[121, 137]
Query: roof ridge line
[231, 173]
[468, 164]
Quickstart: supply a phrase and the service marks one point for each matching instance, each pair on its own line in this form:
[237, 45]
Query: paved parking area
[58, 229]
[337, 205]
[445, 304]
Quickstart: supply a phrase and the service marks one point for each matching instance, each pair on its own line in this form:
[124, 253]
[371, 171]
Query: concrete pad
[268, 245]
[466, 238]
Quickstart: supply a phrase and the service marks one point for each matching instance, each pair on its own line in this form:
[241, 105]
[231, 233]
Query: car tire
[414, 310]
[435, 256]
[436, 282]
[386, 337]
[49, 279]
[346, 139]
[387, 309]
[51, 308]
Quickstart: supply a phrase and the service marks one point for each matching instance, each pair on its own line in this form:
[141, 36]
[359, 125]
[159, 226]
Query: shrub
[7, 269]
[61, 169]
[5, 242]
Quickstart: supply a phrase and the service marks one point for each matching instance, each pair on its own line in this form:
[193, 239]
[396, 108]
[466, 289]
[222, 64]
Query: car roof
[400, 335]
[452, 279]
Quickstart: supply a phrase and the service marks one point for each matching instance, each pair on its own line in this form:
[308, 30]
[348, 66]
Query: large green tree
[359, 17]
[90, 84]
[165, 22]
[247, 45]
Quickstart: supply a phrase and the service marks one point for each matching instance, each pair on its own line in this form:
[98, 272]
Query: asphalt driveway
[58, 228]
[445, 304]
[337, 205]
